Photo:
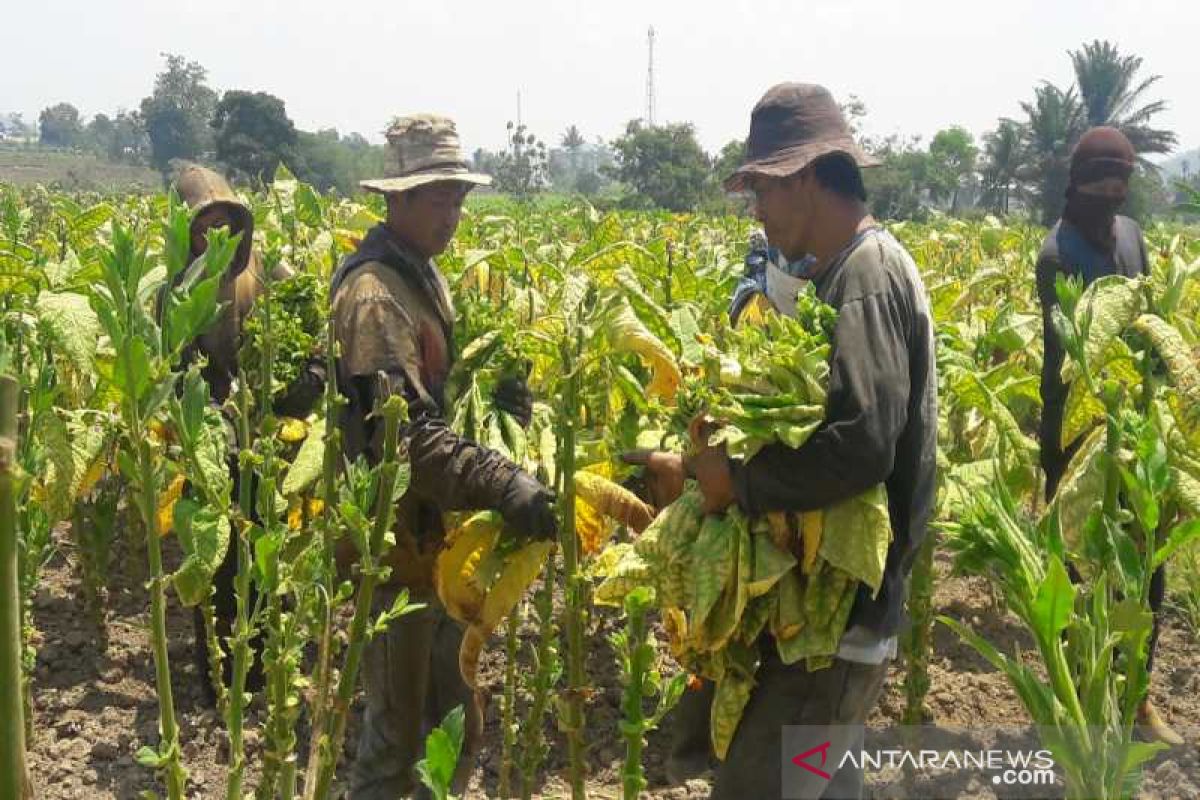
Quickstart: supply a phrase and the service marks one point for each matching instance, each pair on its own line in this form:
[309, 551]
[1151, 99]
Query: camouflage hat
[422, 149]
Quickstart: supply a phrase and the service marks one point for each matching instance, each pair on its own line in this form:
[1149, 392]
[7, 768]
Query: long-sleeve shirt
[392, 315]
[880, 421]
[1067, 252]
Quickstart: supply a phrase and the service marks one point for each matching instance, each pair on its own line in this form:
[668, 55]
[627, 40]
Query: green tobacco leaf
[855, 537]
[203, 534]
[306, 467]
[1054, 601]
[74, 443]
[442, 749]
[131, 372]
[1113, 303]
[687, 331]
[72, 326]
[1180, 536]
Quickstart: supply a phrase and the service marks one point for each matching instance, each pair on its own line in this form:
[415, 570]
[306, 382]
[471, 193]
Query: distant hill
[24, 165]
[1173, 166]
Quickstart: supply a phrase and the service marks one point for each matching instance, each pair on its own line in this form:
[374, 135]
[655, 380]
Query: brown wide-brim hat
[793, 125]
[423, 149]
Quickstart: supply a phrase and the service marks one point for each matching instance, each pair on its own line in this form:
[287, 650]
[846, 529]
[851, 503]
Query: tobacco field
[116, 505]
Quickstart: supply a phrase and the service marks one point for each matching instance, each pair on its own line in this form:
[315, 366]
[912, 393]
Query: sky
[918, 65]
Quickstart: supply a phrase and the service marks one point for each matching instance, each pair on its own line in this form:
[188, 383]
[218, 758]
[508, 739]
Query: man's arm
[1053, 390]
[867, 408]
[448, 470]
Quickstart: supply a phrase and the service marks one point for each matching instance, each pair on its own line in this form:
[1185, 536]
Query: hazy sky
[918, 66]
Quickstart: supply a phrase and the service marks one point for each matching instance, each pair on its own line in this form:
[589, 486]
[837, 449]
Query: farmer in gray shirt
[880, 426]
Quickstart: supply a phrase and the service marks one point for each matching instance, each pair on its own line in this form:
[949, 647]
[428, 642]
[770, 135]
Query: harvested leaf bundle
[481, 575]
[723, 581]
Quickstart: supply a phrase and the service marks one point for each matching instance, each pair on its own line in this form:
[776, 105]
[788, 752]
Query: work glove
[512, 395]
[528, 507]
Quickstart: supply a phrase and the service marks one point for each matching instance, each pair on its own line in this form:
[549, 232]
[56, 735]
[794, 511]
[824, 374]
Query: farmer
[394, 326]
[214, 205]
[1090, 241]
[880, 426]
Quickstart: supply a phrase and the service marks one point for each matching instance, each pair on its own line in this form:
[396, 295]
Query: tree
[1055, 121]
[329, 161]
[1002, 153]
[253, 134]
[664, 165]
[729, 159]
[177, 114]
[952, 158]
[896, 189]
[129, 142]
[1112, 94]
[98, 134]
[521, 170]
[60, 125]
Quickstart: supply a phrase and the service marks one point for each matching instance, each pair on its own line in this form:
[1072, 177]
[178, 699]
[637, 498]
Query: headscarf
[1101, 153]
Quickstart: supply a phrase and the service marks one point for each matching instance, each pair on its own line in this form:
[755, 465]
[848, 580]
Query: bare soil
[95, 702]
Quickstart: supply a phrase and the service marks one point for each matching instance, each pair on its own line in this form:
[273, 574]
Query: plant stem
[508, 706]
[370, 571]
[319, 752]
[14, 775]
[240, 647]
[547, 666]
[573, 610]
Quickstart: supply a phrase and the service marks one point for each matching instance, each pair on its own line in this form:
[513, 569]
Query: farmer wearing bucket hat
[214, 204]
[393, 320]
[1090, 241]
[804, 170]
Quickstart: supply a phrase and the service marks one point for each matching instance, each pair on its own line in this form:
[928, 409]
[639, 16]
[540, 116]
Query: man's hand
[664, 474]
[710, 467]
[528, 506]
[513, 395]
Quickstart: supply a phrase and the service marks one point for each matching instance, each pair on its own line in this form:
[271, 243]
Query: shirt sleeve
[866, 411]
[1053, 390]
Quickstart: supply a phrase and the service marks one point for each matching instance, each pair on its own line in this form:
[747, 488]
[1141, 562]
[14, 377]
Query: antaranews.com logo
[932, 761]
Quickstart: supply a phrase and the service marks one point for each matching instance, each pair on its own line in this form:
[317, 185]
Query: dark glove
[513, 395]
[528, 507]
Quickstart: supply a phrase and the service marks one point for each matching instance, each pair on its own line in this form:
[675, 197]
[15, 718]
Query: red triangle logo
[802, 760]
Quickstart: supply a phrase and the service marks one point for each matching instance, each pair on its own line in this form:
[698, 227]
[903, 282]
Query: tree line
[1020, 166]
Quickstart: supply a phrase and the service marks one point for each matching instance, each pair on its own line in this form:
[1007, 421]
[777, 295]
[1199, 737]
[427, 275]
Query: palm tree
[1056, 119]
[1112, 94]
[1003, 154]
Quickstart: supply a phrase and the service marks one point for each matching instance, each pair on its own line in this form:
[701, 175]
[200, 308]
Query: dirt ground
[95, 702]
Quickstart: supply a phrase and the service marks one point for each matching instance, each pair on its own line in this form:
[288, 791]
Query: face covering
[1093, 216]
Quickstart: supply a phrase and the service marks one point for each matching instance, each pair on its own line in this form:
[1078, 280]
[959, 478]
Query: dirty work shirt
[1067, 252]
[881, 415]
[392, 315]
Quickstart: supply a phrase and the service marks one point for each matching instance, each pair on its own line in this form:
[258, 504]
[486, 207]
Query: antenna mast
[650, 79]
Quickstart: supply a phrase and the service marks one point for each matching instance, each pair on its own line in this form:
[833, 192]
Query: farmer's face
[784, 207]
[427, 217]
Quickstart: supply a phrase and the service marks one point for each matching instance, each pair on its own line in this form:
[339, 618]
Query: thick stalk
[573, 610]
[639, 655]
[533, 747]
[14, 775]
[240, 646]
[370, 570]
[319, 751]
[175, 774]
[919, 640]
[508, 705]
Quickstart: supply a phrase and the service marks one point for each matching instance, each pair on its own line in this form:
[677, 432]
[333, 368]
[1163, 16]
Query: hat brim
[407, 182]
[791, 160]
